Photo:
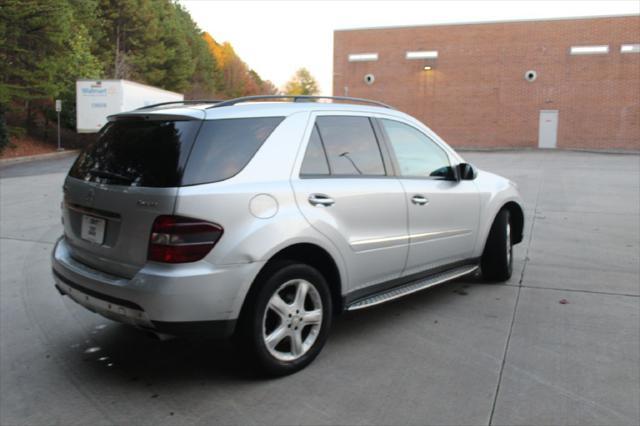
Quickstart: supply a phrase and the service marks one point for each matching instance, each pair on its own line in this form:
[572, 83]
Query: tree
[257, 86]
[234, 71]
[215, 51]
[122, 27]
[46, 45]
[302, 83]
[80, 64]
[206, 76]
[33, 48]
[268, 88]
[4, 134]
[236, 77]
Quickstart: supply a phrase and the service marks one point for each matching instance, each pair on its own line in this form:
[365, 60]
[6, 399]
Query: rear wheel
[287, 319]
[497, 259]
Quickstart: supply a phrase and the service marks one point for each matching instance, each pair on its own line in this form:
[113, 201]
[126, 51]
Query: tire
[281, 332]
[497, 259]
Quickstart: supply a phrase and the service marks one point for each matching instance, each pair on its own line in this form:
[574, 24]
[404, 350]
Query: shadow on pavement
[136, 357]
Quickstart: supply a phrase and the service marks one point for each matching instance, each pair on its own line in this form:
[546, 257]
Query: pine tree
[46, 45]
[33, 35]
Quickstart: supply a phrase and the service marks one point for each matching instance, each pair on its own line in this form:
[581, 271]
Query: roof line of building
[508, 21]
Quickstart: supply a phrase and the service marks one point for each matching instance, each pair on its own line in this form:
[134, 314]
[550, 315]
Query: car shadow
[435, 298]
[128, 354]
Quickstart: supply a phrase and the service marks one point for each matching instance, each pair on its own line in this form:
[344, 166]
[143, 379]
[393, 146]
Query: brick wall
[476, 94]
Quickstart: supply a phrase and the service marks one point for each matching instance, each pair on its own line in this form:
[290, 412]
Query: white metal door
[548, 129]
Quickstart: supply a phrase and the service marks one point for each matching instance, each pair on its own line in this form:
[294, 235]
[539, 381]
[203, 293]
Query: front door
[548, 129]
[345, 193]
[443, 214]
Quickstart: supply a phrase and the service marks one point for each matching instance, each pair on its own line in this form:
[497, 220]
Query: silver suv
[263, 220]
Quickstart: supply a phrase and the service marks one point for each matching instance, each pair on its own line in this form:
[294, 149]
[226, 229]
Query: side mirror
[447, 173]
[466, 171]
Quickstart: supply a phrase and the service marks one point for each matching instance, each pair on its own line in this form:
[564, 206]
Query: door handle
[321, 200]
[420, 200]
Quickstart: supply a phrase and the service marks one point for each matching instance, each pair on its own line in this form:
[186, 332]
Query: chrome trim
[405, 290]
[378, 240]
[93, 212]
[321, 200]
[420, 200]
[425, 236]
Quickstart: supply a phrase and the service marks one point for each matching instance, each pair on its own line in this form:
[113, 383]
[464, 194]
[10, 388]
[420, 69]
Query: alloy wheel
[292, 320]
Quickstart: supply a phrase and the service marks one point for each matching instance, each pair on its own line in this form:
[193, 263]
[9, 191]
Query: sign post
[58, 109]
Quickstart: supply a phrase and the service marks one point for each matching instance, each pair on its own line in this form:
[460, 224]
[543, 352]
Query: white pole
[58, 109]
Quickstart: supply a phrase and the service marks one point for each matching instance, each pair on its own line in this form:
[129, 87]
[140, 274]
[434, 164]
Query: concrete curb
[28, 158]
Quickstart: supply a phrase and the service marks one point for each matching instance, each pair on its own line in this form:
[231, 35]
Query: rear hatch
[120, 184]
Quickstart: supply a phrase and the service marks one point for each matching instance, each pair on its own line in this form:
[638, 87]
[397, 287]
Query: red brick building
[504, 84]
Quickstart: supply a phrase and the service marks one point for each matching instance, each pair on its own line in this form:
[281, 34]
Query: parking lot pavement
[463, 353]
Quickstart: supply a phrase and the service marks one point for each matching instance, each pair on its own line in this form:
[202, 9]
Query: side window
[417, 154]
[225, 146]
[315, 160]
[351, 145]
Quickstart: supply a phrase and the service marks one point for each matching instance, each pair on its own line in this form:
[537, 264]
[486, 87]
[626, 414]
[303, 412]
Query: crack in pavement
[27, 241]
[574, 290]
[515, 305]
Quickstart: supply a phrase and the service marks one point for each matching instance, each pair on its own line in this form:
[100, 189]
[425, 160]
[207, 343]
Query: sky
[275, 38]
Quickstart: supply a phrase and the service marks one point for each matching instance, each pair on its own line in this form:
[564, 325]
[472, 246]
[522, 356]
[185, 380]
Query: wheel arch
[517, 220]
[310, 254]
[517, 217]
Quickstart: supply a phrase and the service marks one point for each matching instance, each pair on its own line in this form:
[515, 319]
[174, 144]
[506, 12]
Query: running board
[410, 288]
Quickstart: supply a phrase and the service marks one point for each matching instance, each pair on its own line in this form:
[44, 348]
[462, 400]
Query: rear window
[224, 147]
[138, 153]
[163, 153]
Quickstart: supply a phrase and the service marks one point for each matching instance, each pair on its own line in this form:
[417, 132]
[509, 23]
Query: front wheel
[497, 259]
[287, 319]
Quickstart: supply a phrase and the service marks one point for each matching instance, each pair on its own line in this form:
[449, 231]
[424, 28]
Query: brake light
[176, 239]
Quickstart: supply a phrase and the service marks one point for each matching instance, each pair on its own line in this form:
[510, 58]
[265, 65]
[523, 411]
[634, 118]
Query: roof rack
[296, 98]
[187, 102]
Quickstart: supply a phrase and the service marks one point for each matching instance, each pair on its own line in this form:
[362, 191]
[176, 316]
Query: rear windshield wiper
[110, 175]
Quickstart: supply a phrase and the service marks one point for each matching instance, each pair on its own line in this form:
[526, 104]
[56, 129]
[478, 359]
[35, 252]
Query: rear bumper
[180, 299]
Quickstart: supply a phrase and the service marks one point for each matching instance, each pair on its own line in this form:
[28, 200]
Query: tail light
[176, 239]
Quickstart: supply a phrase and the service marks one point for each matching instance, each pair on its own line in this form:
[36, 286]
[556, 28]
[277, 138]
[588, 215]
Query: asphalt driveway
[558, 344]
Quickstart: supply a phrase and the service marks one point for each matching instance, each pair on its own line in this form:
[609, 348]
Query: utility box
[98, 99]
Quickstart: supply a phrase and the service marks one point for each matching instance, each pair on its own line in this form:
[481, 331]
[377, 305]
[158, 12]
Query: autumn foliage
[237, 79]
[46, 45]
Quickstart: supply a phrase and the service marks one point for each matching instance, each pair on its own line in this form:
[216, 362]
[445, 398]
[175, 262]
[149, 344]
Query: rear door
[443, 213]
[344, 190]
[119, 185]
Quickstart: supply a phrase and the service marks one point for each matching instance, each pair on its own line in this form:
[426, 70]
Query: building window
[590, 50]
[422, 54]
[363, 57]
[630, 48]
